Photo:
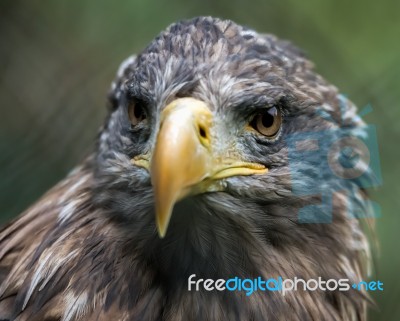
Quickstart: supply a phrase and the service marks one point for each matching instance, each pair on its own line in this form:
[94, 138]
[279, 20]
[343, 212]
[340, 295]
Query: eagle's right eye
[268, 122]
[136, 112]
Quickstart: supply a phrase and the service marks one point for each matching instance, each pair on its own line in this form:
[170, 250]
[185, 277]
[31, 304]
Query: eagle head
[194, 173]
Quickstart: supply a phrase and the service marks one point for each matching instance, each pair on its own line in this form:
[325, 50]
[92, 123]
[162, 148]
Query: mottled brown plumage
[89, 248]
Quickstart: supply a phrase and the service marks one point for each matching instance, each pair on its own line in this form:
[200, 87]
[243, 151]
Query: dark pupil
[138, 112]
[268, 118]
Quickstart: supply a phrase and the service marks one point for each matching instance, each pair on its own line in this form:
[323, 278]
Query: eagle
[193, 173]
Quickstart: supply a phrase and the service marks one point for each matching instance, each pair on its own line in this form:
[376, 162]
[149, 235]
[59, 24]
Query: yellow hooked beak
[184, 161]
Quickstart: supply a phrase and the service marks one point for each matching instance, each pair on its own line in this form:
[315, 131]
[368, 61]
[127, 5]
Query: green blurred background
[57, 59]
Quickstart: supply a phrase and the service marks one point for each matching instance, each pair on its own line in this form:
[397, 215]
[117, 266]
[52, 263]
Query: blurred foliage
[57, 59]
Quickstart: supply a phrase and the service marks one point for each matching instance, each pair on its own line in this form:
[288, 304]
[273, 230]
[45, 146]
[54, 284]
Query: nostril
[202, 132]
[203, 135]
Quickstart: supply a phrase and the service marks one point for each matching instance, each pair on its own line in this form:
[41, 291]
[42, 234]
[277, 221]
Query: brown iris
[268, 122]
[136, 113]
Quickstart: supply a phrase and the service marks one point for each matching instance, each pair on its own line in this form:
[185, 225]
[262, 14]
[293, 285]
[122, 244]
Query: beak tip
[161, 227]
[161, 232]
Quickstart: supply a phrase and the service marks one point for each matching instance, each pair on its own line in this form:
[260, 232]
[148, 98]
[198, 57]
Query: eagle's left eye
[268, 122]
[136, 113]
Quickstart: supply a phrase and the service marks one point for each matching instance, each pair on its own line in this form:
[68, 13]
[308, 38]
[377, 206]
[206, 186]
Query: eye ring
[136, 113]
[268, 122]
